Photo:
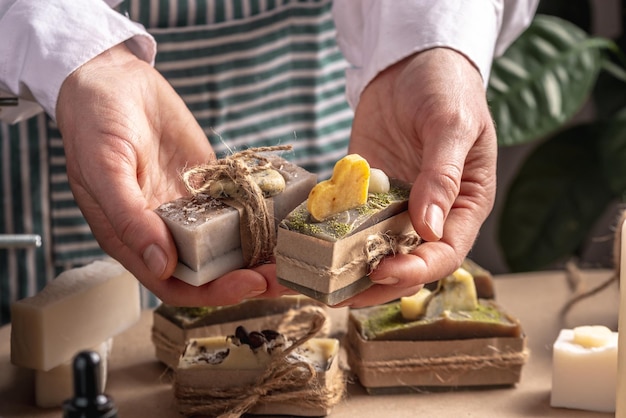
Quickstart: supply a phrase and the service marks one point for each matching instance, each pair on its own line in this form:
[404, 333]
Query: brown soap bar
[174, 326]
[327, 260]
[485, 348]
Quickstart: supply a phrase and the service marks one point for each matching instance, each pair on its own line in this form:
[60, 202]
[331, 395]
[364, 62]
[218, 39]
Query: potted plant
[575, 171]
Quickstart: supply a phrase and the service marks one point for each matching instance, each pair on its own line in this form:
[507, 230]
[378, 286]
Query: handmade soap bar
[80, 308]
[584, 369]
[57, 385]
[385, 322]
[207, 231]
[442, 338]
[329, 261]
[173, 327]
[262, 370]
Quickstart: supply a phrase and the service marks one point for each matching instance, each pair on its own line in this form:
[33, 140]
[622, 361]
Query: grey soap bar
[206, 230]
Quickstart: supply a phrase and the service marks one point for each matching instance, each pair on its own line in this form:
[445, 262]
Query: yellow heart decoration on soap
[346, 189]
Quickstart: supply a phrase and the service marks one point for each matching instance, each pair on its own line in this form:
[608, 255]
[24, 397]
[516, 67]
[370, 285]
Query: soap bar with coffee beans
[275, 374]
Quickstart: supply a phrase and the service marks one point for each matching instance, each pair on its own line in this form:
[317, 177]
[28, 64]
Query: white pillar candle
[620, 407]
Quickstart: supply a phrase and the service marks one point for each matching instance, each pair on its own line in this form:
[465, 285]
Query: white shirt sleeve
[42, 42]
[374, 34]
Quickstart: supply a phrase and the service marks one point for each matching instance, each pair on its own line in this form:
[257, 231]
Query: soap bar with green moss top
[379, 206]
[452, 312]
[385, 322]
[328, 260]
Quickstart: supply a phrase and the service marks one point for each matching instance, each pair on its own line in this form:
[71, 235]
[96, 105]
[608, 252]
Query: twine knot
[238, 169]
[284, 380]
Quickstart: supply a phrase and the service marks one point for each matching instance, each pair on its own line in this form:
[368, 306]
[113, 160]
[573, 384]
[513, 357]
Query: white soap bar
[584, 376]
[79, 309]
[207, 231]
[56, 385]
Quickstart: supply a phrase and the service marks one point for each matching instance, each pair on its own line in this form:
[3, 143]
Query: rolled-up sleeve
[42, 42]
[374, 34]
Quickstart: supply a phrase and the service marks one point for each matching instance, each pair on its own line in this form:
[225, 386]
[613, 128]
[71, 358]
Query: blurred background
[558, 97]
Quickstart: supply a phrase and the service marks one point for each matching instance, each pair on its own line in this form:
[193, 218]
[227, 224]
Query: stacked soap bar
[81, 309]
[326, 259]
[207, 231]
[174, 326]
[328, 245]
[260, 365]
[443, 338]
[584, 369]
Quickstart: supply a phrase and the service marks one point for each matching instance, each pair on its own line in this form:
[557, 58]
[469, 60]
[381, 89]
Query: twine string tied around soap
[238, 168]
[282, 381]
[446, 369]
[377, 246]
[381, 245]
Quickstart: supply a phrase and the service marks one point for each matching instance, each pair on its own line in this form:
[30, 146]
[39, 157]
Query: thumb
[437, 185]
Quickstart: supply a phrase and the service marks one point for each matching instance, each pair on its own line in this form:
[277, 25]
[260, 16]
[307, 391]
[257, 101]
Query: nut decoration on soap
[345, 190]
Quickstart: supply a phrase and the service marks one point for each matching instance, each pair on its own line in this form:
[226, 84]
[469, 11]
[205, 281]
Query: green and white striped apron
[253, 72]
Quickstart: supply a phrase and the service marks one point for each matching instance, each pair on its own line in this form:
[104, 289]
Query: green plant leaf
[543, 79]
[610, 136]
[558, 194]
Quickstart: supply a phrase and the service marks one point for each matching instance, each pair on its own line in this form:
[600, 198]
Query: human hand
[127, 135]
[425, 120]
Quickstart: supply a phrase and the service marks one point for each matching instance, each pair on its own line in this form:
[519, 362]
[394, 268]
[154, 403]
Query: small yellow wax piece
[460, 293]
[592, 335]
[413, 307]
[346, 189]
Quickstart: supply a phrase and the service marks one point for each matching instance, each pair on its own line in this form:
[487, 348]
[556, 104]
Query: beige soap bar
[56, 385]
[79, 309]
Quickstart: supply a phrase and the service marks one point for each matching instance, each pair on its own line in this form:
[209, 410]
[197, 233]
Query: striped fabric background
[253, 72]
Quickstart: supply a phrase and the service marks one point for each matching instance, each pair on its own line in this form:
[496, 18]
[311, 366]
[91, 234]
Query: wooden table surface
[139, 384]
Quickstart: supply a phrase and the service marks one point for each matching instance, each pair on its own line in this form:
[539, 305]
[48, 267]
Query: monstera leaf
[543, 79]
[559, 193]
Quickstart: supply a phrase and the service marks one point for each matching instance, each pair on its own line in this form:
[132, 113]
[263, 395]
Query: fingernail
[434, 220]
[155, 259]
[387, 281]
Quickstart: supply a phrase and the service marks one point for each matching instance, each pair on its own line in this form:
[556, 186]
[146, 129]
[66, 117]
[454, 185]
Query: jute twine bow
[576, 280]
[282, 381]
[238, 168]
[381, 245]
